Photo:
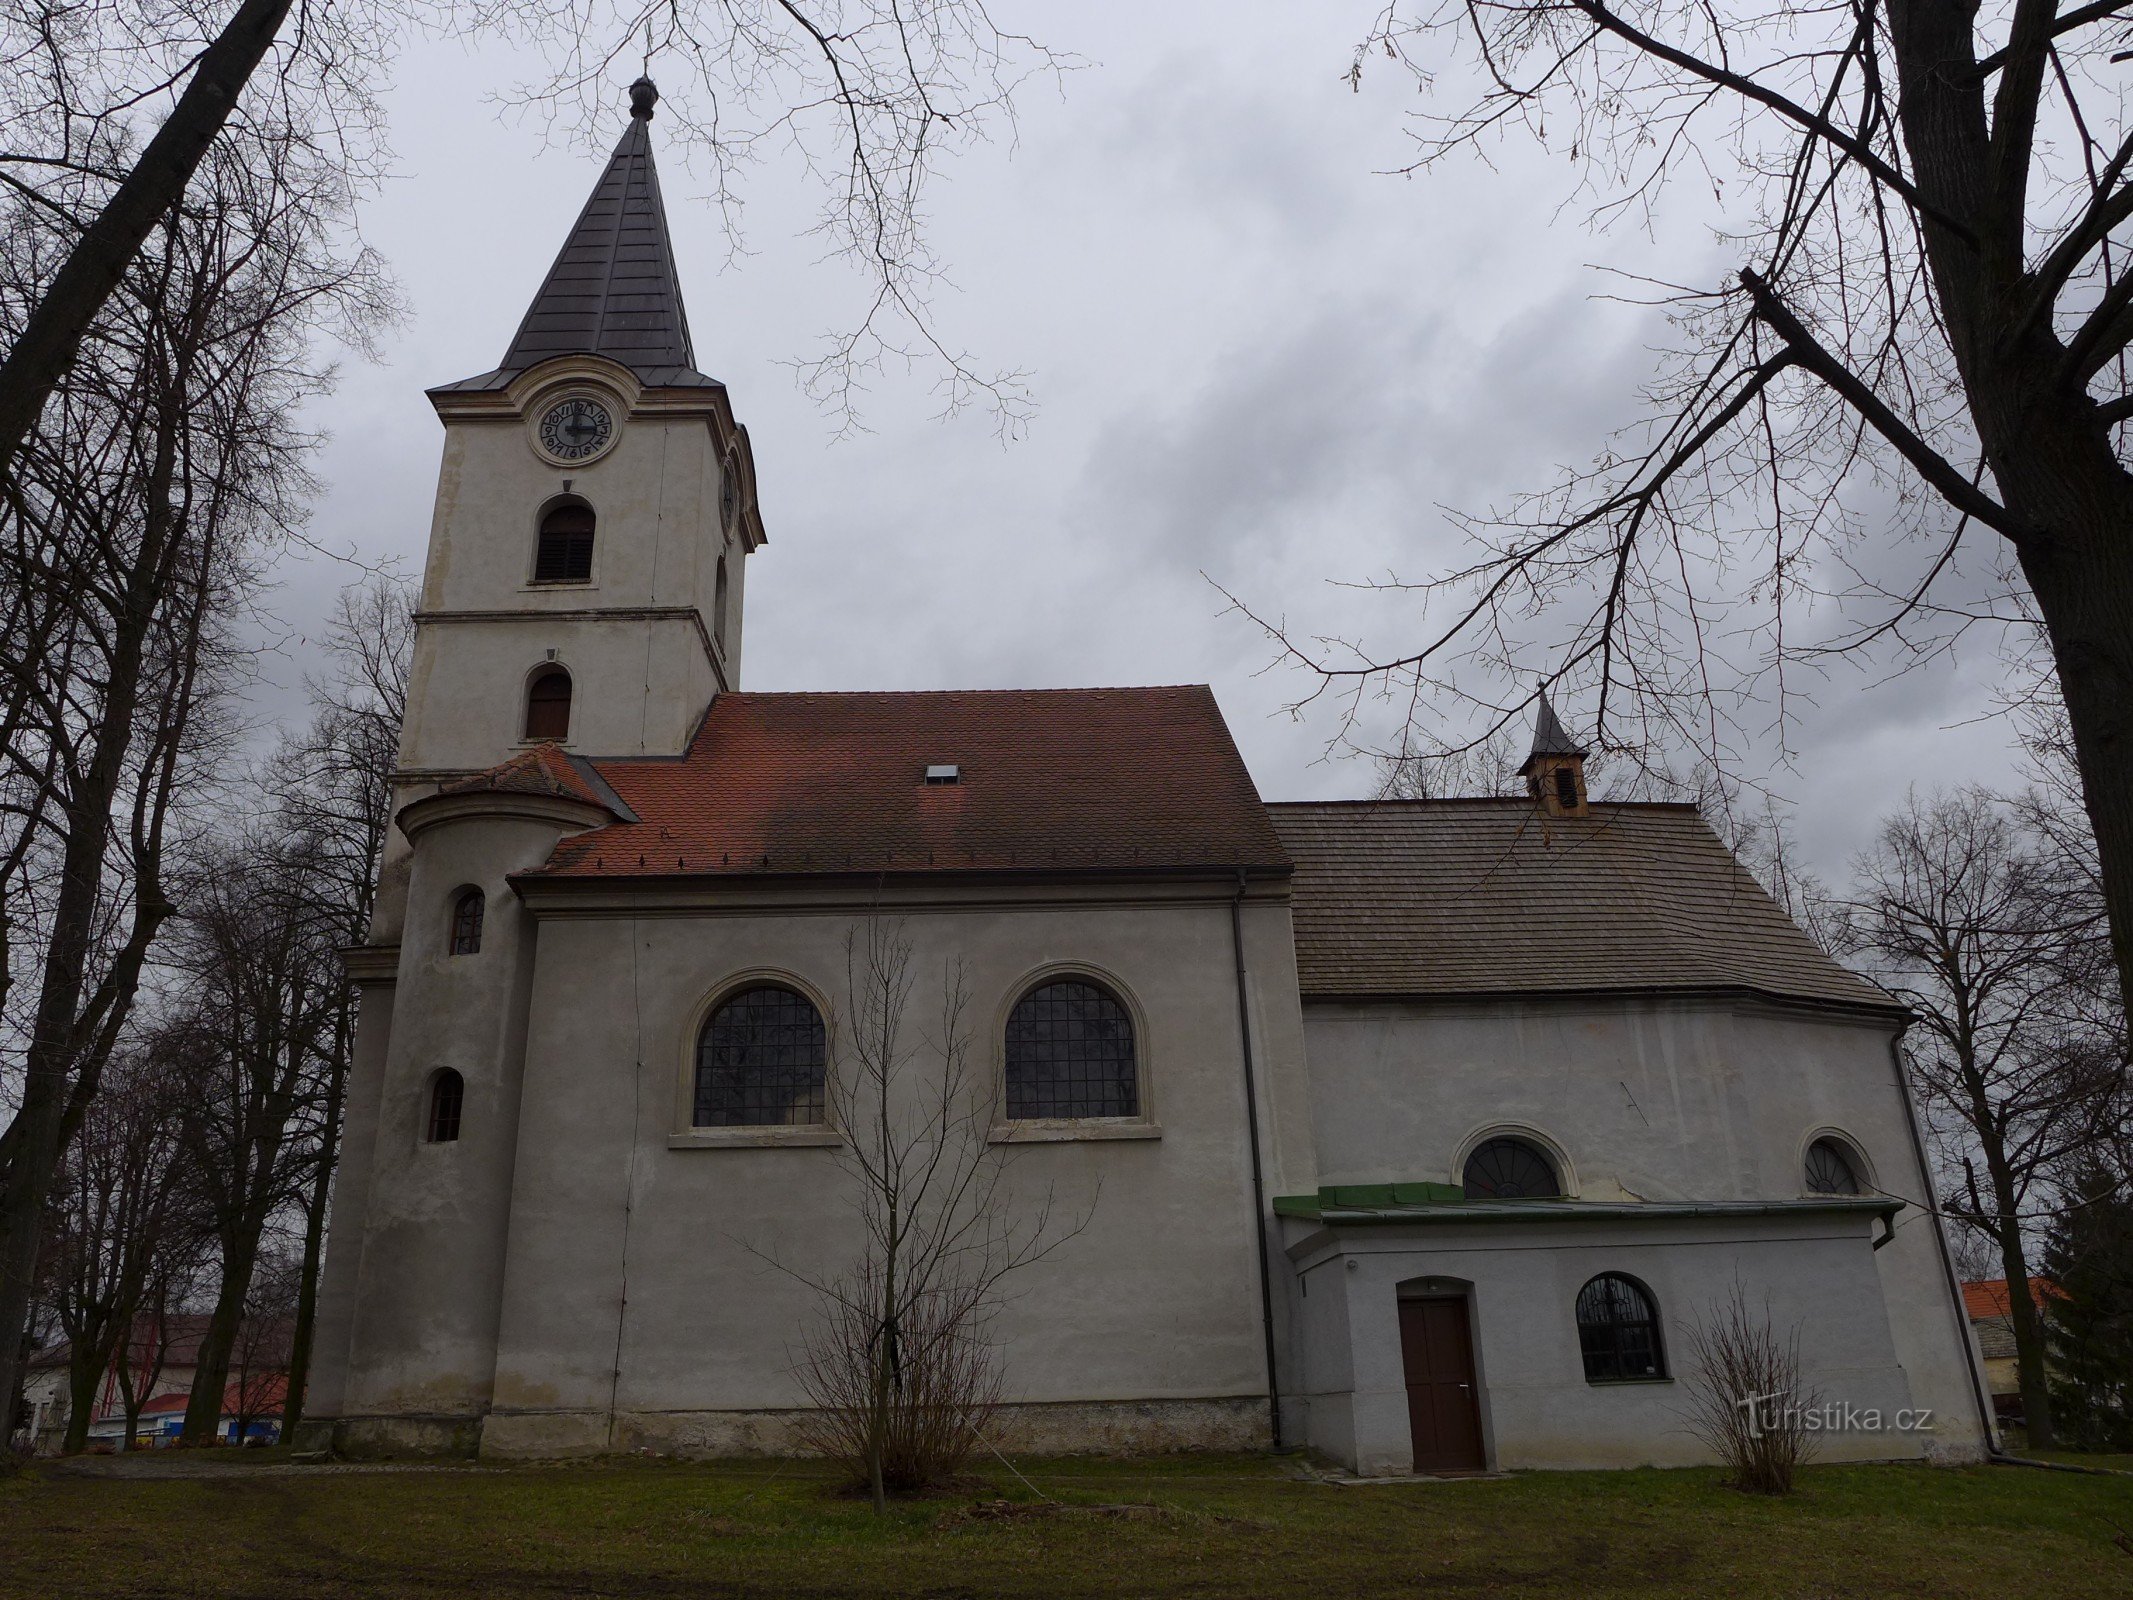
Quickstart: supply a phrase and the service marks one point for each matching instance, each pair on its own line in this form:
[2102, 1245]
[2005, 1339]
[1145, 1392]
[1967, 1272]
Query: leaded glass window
[1070, 1054]
[467, 912]
[1830, 1169]
[762, 1062]
[448, 1093]
[1618, 1330]
[1510, 1169]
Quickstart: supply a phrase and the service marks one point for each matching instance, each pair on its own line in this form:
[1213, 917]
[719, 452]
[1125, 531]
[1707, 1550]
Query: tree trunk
[315, 1230]
[2022, 1315]
[211, 1377]
[85, 1375]
[53, 332]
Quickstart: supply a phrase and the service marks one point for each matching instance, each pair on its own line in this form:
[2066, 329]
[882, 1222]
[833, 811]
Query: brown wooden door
[1443, 1411]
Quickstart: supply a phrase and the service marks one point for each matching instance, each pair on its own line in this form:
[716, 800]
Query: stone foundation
[1084, 1427]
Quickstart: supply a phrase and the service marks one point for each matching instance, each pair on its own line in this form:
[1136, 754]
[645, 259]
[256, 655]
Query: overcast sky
[1255, 358]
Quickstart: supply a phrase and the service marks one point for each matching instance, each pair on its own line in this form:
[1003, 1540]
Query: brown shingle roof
[1447, 897]
[544, 769]
[1051, 779]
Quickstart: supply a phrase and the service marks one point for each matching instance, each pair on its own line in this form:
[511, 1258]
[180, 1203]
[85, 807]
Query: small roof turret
[1549, 739]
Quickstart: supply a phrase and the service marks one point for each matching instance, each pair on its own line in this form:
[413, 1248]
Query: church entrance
[1443, 1411]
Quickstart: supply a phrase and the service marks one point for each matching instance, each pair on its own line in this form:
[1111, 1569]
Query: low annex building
[1419, 1132]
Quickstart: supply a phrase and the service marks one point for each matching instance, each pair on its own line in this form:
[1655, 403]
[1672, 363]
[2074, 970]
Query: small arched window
[467, 913]
[1505, 1168]
[762, 1062]
[548, 704]
[564, 552]
[1618, 1330]
[448, 1093]
[1070, 1054]
[1830, 1169]
[718, 607]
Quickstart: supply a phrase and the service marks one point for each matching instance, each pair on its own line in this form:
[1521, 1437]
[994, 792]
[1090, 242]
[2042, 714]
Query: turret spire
[1554, 769]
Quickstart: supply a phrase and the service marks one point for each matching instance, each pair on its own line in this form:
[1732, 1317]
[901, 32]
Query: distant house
[164, 1358]
[1985, 1303]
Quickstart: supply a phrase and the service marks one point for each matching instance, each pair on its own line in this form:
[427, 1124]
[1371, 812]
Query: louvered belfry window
[565, 551]
[1070, 1054]
[762, 1062]
[548, 704]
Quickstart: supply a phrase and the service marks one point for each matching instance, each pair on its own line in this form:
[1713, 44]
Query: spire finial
[644, 94]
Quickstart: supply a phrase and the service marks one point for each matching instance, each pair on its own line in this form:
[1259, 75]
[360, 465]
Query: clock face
[576, 429]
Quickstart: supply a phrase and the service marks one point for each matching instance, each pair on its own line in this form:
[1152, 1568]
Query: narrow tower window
[548, 704]
[466, 923]
[718, 607]
[448, 1093]
[565, 551]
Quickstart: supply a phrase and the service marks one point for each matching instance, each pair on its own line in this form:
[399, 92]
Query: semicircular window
[1830, 1169]
[1618, 1330]
[1505, 1168]
[1070, 1054]
[762, 1062]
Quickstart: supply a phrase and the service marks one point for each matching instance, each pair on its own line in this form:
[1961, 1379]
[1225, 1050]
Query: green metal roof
[1350, 1205]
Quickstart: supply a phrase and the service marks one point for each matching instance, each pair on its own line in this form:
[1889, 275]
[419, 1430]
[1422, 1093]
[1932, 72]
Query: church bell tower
[595, 512]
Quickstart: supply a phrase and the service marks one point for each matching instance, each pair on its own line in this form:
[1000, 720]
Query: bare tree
[118, 1211]
[901, 1369]
[1978, 928]
[111, 111]
[260, 954]
[1746, 1399]
[330, 789]
[1917, 375]
[131, 531]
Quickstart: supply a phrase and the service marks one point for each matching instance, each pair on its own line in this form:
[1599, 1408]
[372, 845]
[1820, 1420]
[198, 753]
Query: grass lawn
[1203, 1527]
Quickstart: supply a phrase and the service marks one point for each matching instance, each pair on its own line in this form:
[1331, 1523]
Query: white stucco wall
[1154, 1304]
[1680, 1100]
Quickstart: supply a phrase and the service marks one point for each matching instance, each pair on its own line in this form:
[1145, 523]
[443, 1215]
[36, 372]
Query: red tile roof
[544, 769]
[1050, 779]
[1988, 1297]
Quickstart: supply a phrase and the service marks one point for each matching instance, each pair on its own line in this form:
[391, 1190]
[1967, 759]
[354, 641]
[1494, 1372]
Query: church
[1420, 1134]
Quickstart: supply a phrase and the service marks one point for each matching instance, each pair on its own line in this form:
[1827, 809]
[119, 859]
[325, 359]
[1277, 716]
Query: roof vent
[944, 773]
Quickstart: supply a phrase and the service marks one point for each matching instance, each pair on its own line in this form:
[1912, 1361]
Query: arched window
[466, 922]
[564, 553]
[1070, 1054]
[548, 704]
[1830, 1169]
[448, 1093]
[762, 1062]
[718, 607]
[1505, 1168]
[1618, 1330]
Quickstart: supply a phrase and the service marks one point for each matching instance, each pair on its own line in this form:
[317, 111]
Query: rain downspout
[1940, 1239]
[1251, 1117]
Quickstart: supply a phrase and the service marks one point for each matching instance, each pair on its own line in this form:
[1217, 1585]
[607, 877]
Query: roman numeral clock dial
[575, 430]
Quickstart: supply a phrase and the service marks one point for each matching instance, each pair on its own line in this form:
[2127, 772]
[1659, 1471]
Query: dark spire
[613, 290]
[1549, 739]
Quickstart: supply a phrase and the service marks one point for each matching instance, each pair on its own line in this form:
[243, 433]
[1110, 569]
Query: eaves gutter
[1890, 1011]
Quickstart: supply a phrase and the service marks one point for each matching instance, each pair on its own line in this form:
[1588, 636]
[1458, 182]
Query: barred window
[1510, 1169]
[1070, 1054]
[564, 553]
[467, 912]
[448, 1094]
[548, 704]
[1618, 1330]
[1830, 1169]
[762, 1062]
